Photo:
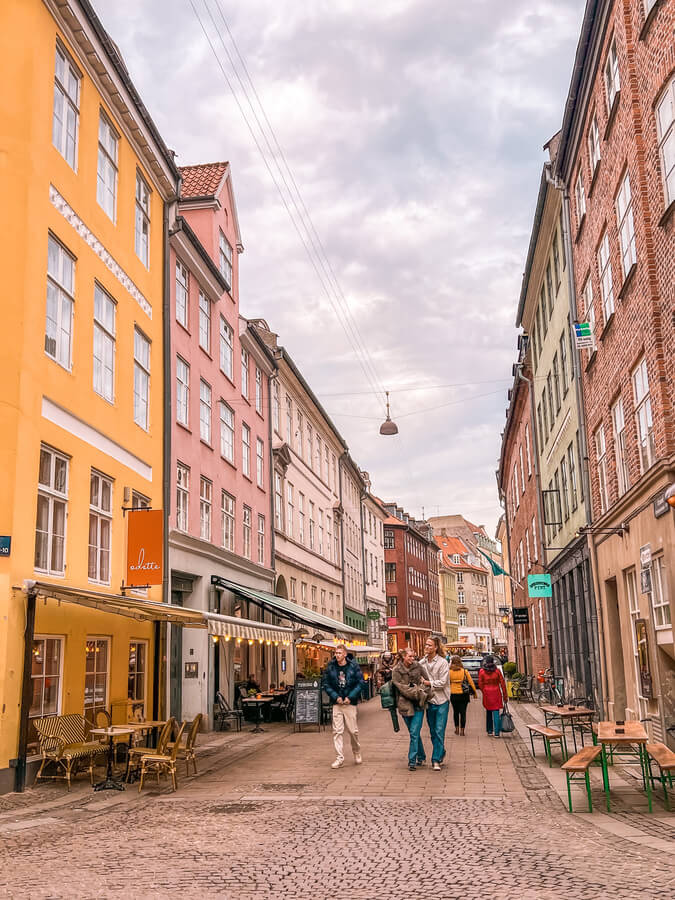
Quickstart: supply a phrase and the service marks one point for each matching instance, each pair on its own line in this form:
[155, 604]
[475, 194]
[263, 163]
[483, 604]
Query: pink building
[220, 523]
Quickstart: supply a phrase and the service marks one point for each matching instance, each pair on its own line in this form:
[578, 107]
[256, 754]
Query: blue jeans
[493, 720]
[414, 725]
[437, 719]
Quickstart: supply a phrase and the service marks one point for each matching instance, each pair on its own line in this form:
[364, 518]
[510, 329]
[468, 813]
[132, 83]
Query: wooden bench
[63, 741]
[548, 736]
[580, 764]
[665, 760]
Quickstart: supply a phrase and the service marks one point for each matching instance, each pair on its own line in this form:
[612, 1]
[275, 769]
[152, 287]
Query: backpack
[387, 695]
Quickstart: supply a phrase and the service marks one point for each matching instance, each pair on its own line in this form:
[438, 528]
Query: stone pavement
[268, 818]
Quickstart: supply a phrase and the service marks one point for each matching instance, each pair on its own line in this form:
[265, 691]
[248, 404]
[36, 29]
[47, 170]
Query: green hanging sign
[539, 586]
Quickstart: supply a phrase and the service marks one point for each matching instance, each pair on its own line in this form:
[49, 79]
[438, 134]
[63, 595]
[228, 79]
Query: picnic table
[628, 740]
[569, 715]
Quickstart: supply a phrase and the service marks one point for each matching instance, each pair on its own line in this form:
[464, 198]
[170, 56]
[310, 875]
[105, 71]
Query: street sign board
[583, 334]
[646, 556]
[373, 614]
[5, 544]
[539, 586]
[308, 702]
[645, 581]
[521, 615]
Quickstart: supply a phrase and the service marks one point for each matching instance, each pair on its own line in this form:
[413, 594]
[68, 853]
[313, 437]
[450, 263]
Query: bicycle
[550, 692]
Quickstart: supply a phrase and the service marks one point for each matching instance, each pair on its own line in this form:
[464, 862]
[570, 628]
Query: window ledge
[206, 352]
[627, 280]
[184, 327]
[247, 477]
[591, 359]
[667, 214]
[228, 461]
[261, 414]
[612, 115]
[607, 327]
[651, 15]
[205, 443]
[582, 221]
[594, 177]
[184, 427]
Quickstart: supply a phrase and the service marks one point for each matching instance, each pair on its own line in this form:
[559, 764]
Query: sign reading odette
[144, 547]
[539, 586]
[521, 615]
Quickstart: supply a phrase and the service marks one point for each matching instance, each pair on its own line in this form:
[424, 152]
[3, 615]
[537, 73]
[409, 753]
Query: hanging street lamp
[388, 427]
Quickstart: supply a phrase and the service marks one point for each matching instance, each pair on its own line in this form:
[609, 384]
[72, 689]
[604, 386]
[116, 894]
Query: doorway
[615, 650]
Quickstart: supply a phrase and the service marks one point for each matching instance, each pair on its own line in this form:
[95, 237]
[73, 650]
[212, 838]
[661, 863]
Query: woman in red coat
[493, 688]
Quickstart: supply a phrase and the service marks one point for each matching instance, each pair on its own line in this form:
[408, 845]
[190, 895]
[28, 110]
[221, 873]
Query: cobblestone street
[279, 822]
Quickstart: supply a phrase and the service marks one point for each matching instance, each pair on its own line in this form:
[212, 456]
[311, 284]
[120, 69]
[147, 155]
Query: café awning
[234, 627]
[286, 609]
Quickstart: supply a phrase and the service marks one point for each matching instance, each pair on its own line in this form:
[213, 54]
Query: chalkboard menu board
[308, 702]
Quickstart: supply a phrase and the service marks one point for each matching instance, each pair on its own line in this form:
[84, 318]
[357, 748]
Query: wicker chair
[161, 764]
[63, 741]
[187, 750]
[136, 754]
[224, 713]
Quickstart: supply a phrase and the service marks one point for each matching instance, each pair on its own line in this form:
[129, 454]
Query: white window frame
[612, 76]
[226, 349]
[100, 518]
[182, 281]
[594, 155]
[204, 322]
[57, 677]
[626, 224]
[301, 517]
[205, 409]
[105, 312]
[182, 497]
[574, 487]
[528, 450]
[66, 109]
[522, 469]
[182, 392]
[261, 539]
[665, 124]
[619, 427]
[94, 706]
[205, 507]
[258, 390]
[643, 416]
[225, 259]
[580, 195]
[278, 502]
[60, 303]
[659, 595]
[245, 450]
[55, 495]
[106, 166]
[246, 525]
[535, 555]
[601, 466]
[276, 407]
[289, 509]
[605, 274]
[139, 703]
[589, 308]
[141, 379]
[244, 372]
[260, 462]
[142, 220]
[227, 519]
[226, 432]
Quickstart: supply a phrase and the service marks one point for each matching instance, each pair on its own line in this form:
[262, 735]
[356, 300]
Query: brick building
[411, 580]
[615, 167]
[518, 481]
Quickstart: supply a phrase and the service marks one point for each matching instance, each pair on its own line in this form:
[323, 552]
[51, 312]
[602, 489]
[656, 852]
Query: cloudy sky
[414, 131]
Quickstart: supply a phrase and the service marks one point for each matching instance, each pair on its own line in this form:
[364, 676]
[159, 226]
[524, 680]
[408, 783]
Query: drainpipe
[502, 501]
[159, 697]
[593, 606]
[342, 541]
[26, 692]
[270, 439]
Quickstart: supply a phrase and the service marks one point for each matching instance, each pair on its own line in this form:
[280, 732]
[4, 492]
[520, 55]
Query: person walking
[412, 696]
[385, 671]
[343, 682]
[461, 689]
[437, 679]
[493, 688]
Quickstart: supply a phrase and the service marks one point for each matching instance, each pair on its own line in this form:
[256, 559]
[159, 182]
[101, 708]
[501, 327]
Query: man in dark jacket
[343, 682]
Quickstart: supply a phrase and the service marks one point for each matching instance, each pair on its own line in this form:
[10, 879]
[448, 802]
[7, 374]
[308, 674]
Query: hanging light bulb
[388, 427]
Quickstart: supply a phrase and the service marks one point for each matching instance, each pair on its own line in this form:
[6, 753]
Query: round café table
[110, 783]
[259, 703]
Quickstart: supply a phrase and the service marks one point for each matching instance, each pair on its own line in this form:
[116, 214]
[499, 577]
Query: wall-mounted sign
[646, 556]
[539, 586]
[521, 615]
[645, 581]
[661, 507]
[191, 670]
[583, 335]
[144, 547]
[373, 614]
[642, 643]
[5, 544]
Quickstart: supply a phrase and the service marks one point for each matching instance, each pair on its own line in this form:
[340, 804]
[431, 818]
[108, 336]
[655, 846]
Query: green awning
[286, 609]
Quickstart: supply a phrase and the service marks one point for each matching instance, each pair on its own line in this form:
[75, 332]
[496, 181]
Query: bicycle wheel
[544, 697]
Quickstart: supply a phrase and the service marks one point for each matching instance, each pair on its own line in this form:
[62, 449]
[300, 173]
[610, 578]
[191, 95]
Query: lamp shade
[388, 427]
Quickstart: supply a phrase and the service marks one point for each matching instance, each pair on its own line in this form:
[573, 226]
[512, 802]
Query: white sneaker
[358, 759]
[337, 764]
[436, 767]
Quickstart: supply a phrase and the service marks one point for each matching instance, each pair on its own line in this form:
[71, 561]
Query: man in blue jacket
[343, 681]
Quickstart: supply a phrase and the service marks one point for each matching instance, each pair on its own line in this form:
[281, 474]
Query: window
[612, 80]
[624, 216]
[549, 288]
[142, 223]
[301, 517]
[226, 349]
[388, 539]
[260, 462]
[314, 606]
[303, 594]
[311, 525]
[564, 489]
[619, 424]
[588, 304]
[258, 390]
[46, 675]
[318, 455]
[527, 549]
[205, 502]
[460, 596]
[522, 470]
[556, 261]
[66, 116]
[289, 421]
[564, 372]
[204, 411]
[141, 378]
[106, 173]
[461, 618]
[226, 432]
[294, 587]
[541, 427]
[97, 655]
[227, 519]
[600, 453]
[138, 661]
[329, 541]
[278, 502]
[579, 457]
[244, 373]
[182, 496]
[300, 436]
[665, 120]
[556, 382]
[660, 600]
[276, 407]
[100, 527]
[534, 539]
[321, 533]
[643, 416]
[594, 145]
[310, 445]
[580, 196]
[181, 294]
[225, 259]
[541, 624]
[261, 539]
[60, 295]
[52, 507]
[290, 508]
[460, 575]
[182, 391]
[327, 464]
[516, 494]
[605, 271]
[246, 450]
[390, 572]
[549, 390]
[104, 344]
[246, 522]
[204, 322]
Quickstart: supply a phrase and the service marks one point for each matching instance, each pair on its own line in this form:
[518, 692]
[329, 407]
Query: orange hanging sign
[144, 547]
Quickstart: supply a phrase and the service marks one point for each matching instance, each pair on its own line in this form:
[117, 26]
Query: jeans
[414, 724]
[344, 717]
[459, 705]
[493, 721]
[437, 720]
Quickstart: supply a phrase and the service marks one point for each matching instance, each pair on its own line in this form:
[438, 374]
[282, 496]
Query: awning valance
[286, 609]
[234, 627]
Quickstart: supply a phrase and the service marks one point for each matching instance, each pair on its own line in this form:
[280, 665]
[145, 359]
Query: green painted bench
[579, 764]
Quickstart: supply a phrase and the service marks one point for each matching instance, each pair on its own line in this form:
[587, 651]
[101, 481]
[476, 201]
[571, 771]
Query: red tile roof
[202, 180]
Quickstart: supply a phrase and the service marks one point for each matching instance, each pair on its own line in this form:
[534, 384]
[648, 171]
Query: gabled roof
[203, 180]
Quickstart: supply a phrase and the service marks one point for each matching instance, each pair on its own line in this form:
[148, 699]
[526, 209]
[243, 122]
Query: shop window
[97, 672]
[46, 677]
[138, 668]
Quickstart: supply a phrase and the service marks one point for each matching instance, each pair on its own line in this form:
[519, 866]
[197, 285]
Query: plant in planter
[510, 670]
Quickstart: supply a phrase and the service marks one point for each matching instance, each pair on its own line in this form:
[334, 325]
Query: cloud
[414, 130]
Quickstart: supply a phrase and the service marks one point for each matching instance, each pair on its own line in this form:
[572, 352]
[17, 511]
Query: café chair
[161, 763]
[224, 713]
[136, 754]
[187, 750]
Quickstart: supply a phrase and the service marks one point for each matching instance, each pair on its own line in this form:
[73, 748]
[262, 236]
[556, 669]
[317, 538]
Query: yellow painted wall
[29, 163]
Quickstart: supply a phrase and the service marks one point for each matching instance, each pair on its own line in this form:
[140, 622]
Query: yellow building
[86, 183]
[448, 598]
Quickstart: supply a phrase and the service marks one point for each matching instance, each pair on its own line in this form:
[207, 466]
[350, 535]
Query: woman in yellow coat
[461, 689]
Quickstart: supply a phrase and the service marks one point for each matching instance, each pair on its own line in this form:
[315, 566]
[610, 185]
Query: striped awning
[234, 627]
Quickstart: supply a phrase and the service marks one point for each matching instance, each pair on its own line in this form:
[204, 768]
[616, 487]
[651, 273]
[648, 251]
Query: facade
[557, 437]
[518, 480]
[411, 581]
[502, 538]
[220, 521]
[352, 488]
[614, 165]
[373, 516]
[87, 183]
[473, 624]
[448, 599]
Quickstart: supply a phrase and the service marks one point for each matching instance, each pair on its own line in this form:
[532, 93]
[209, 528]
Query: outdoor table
[568, 715]
[259, 703]
[110, 783]
[629, 740]
[150, 726]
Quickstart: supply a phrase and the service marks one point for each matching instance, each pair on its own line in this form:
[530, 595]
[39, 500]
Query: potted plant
[512, 677]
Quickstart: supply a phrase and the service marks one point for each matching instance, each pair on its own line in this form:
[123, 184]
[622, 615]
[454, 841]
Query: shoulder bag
[466, 687]
[506, 721]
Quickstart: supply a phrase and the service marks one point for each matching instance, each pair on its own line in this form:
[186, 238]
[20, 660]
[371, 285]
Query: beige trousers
[345, 717]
